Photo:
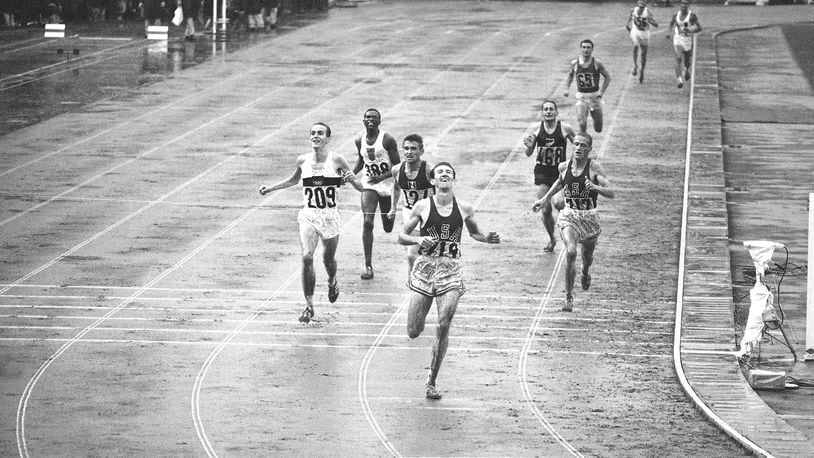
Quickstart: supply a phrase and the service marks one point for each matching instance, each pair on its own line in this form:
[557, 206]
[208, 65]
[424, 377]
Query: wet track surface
[43, 77]
[149, 297]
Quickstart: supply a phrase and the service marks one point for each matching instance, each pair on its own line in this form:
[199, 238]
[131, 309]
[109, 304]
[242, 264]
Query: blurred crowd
[253, 14]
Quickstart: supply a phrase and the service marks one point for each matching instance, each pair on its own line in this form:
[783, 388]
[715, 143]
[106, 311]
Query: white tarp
[761, 299]
[761, 306]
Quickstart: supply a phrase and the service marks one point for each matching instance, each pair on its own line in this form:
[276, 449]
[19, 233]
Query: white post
[810, 290]
[214, 19]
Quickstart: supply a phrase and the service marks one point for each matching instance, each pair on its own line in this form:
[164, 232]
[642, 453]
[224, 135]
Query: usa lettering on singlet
[587, 77]
[416, 189]
[320, 188]
[446, 230]
[550, 147]
[576, 196]
[640, 21]
[377, 160]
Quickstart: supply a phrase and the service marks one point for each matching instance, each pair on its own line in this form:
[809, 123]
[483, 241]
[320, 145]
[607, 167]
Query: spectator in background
[254, 13]
[270, 13]
[7, 9]
[191, 8]
[154, 11]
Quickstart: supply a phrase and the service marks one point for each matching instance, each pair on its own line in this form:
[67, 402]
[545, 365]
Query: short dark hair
[432, 174]
[551, 102]
[587, 40]
[373, 109]
[586, 136]
[327, 127]
[414, 138]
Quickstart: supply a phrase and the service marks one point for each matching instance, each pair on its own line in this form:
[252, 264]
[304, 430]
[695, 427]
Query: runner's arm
[600, 184]
[468, 213]
[569, 78]
[396, 193]
[343, 168]
[606, 77]
[291, 181]
[360, 162]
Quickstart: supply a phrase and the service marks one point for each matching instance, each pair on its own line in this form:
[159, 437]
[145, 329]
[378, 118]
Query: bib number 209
[321, 197]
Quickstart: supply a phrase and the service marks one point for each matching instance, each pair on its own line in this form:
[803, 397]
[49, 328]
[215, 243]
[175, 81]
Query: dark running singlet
[587, 77]
[576, 196]
[445, 229]
[550, 147]
[417, 189]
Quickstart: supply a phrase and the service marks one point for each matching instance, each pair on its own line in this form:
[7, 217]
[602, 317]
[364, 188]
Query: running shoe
[569, 304]
[687, 75]
[641, 77]
[586, 281]
[635, 70]
[307, 314]
[368, 273]
[680, 83]
[333, 292]
[432, 392]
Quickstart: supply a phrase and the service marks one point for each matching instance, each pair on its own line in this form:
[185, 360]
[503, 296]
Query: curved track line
[23, 404]
[679, 367]
[523, 360]
[363, 370]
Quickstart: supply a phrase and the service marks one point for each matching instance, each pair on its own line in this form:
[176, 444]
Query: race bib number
[320, 197]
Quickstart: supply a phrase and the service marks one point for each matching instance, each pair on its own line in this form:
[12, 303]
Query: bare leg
[370, 200]
[548, 218]
[329, 257]
[447, 304]
[417, 314]
[635, 59]
[570, 239]
[384, 208]
[587, 260]
[596, 115]
[582, 116]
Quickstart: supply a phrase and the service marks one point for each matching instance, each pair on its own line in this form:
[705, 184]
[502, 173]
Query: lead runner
[438, 271]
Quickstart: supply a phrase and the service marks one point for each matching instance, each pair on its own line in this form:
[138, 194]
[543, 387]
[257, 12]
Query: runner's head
[641, 3]
[549, 110]
[443, 175]
[413, 146]
[372, 118]
[684, 5]
[586, 46]
[583, 143]
[320, 135]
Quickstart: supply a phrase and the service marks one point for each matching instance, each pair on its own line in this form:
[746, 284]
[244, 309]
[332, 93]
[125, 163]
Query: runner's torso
[376, 158]
[639, 17]
[320, 183]
[576, 196]
[683, 24]
[417, 188]
[551, 146]
[446, 230]
[587, 76]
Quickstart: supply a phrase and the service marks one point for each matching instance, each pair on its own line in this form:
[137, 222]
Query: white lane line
[57, 64]
[337, 323]
[23, 404]
[523, 360]
[229, 292]
[209, 343]
[363, 371]
[104, 132]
